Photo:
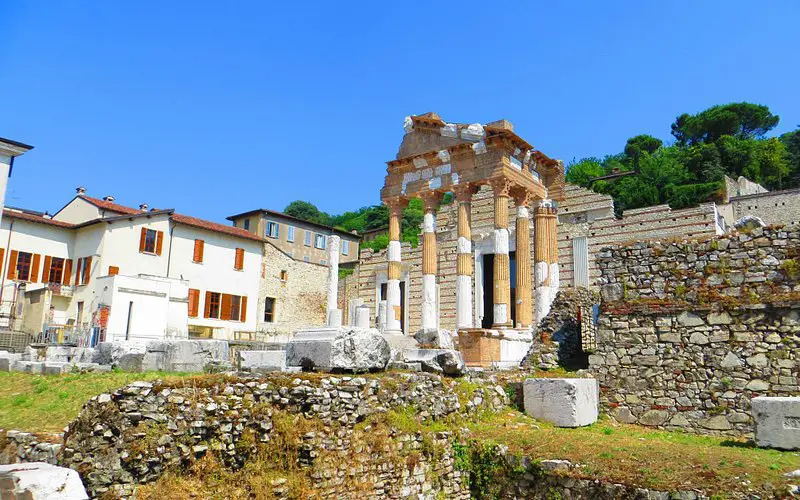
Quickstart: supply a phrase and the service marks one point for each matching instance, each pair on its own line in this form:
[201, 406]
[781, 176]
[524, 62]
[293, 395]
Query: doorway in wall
[488, 288]
[402, 303]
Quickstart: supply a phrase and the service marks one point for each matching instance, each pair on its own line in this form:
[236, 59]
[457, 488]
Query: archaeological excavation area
[522, 350]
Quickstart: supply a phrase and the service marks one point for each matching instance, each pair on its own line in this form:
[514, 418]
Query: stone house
[299, 239]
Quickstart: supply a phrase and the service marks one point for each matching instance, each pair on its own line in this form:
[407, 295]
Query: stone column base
[498, 349]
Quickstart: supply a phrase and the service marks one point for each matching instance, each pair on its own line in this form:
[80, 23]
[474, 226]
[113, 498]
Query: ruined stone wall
[776, 207]
[587, 214]
[138, 433]
[299, 298]
[691, 330]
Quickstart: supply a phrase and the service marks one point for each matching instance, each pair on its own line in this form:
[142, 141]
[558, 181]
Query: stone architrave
[332, 311]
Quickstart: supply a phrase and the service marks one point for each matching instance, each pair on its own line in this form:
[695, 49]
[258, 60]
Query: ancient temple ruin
[437, 157]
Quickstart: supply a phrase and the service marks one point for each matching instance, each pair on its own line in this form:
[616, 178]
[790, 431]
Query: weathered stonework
[690, 331]
[299, 292]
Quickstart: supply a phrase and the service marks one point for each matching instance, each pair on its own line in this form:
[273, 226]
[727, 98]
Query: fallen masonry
[563, 402]
[777, 422]
[40, 481]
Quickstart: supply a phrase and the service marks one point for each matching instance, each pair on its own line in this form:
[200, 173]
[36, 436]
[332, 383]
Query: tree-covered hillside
[723, 140]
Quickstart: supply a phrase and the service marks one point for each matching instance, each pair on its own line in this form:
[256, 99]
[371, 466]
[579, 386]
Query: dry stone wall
[690, 331]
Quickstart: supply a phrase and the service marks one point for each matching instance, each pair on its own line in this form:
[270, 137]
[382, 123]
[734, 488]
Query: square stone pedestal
[777, 422]
[501, 349]
[564, 402]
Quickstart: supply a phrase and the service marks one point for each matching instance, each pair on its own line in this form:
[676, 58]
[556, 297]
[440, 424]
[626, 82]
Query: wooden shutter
[67, 271]
[2, 260]
[142, 240]
[12, 265]
[46, 269]
[198, 251]
[194, 298]
[34, 274]
[207, 306]
[243, 309]
[88, 270]
[238, 262]
[113, 270]
[225, 307]
[78, 271]
[159, 241]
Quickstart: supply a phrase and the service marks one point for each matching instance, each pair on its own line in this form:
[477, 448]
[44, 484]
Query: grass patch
[635, 455]
[47, 403]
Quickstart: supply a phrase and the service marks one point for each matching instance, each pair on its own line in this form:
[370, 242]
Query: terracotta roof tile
[36, 218]
[213, 226]
[107, 205]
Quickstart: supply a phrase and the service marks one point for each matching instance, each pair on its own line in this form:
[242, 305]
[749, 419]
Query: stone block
[777, 422]
[40, 481]
[163, 355]
[338, 349]
[564, 402]
[446, 361]
[437, 339]
[7, 360]
[55, 368]
[261, 361]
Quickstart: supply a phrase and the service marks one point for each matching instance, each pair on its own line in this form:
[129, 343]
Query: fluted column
[395, 271]
[544, 224]
[464, 265]
[523, 248]
[429, 261]
[502, 268]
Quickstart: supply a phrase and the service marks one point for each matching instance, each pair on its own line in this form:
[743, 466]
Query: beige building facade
[299, 239]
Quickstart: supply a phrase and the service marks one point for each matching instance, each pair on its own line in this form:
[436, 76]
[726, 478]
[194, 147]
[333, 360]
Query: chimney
[143, 207]
[108, 198]
[80, 190]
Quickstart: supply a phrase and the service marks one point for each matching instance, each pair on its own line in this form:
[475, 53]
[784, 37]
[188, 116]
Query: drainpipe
[7, 258]
[169, 252]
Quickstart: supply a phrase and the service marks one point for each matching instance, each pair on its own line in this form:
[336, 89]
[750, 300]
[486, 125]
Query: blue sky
[215, 108]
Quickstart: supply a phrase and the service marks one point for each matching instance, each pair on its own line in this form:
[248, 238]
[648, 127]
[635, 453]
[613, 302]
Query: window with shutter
[307, 241]
[238, 262]
[243, 316]
[149, 241]
[12, 264]
[159, 241]
[194, 302]
[23, 265]
[225, 307]
[214, 299]
[236, 307]
[67, 271]
[35, 268]
[56, 272]
[198, 251]
[113, 270]
[290, 234]
[87, 269]
[46, 269]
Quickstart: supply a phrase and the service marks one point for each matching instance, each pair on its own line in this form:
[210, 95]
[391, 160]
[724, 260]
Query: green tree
[773, 163]
[306, 211]
[640, 145]
[583, 171]
[791, 140]
[742, 119]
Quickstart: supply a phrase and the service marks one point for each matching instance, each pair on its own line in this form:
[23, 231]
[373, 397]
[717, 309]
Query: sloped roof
[26, 216]
[213, 226]
[110, 206]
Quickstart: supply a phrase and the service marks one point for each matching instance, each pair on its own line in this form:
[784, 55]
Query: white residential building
[128, 273]
[9, 150]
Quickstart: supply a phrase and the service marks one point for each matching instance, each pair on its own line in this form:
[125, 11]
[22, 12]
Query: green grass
[47, 403]
[636, 455]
